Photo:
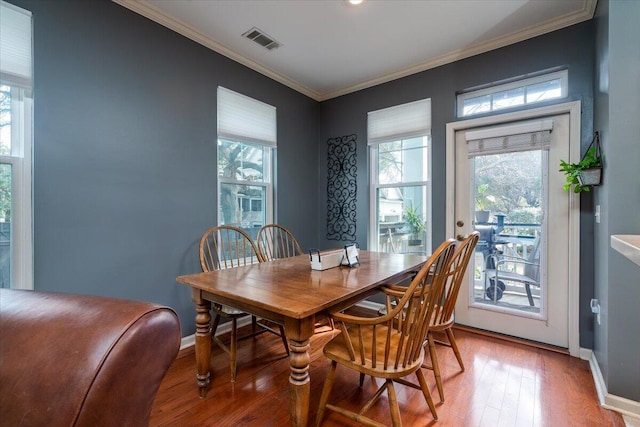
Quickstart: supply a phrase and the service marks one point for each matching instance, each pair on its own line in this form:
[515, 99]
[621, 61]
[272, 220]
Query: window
[246, 142]
[399, 140]
[16, 118]
[515, 94]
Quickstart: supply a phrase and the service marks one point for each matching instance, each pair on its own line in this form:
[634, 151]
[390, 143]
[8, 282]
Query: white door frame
[573, 109]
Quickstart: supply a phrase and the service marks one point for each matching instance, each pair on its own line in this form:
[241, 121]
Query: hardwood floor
[505, 384]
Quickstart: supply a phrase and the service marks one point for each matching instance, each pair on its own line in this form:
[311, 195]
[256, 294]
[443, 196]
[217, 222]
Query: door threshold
[512, 339]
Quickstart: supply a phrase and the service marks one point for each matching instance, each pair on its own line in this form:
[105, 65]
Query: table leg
[203, 344]
[298, 333]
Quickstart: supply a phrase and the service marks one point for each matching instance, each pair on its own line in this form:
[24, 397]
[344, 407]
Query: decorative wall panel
[341, 188]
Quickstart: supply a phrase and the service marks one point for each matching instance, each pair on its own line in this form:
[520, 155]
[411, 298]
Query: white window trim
[374, 186]
[563, 75]
[245, 120]
[21, 191]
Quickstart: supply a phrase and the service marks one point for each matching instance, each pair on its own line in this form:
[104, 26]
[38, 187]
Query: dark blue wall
[571, 48]
[124, 161]
[125, 152]
[617, 279]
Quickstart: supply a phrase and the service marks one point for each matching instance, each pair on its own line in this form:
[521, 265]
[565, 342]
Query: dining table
[287, 291]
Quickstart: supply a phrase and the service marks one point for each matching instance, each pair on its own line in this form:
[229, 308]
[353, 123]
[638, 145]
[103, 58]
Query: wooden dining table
[289, 292]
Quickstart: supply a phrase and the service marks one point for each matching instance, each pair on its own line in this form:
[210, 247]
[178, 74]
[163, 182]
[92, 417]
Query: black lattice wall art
[341, 188]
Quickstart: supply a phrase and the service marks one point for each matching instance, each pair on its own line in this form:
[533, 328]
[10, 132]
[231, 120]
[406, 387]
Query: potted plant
[416, 226]
[587, 172]
[482, 203]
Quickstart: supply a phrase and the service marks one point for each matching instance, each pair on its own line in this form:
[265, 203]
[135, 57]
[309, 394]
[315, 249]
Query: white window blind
[399, 122]
[523, 136]
[245, 119]
[15, 45]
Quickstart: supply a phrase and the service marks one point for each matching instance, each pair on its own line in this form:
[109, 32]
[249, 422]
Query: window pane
[240, 161]
[477, 105]
[543, 91]
[402, 213]
[5, 120]
[508, 98]
[403, 161]
[509, 206]
[5, 225]
[242, 205]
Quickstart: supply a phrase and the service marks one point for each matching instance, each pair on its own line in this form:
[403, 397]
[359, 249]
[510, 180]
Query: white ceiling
[330, 48]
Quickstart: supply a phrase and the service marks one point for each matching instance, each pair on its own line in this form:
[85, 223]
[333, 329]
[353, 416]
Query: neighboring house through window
[399, 140]
[16, 141]
[246, 144]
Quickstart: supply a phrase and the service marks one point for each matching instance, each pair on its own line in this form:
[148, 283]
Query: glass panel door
[513, 287]
[509, 208]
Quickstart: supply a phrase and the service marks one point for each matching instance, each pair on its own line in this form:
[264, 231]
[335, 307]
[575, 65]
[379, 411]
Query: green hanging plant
[587, 172]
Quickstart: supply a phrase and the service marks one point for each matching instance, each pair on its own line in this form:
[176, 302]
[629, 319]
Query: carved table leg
[298, 332]
[203, 343]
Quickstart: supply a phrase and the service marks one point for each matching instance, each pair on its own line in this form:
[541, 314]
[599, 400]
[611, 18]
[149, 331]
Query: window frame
[16, 72]
[523, 83]
[20, 160]
[267, 182]
[252, 123]
[375, 186]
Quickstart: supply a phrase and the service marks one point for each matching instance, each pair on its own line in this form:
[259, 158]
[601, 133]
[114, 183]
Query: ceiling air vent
[261, 38]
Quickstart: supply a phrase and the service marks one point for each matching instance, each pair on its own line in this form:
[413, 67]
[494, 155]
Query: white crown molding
[147, 10]
[143, 8]
[527, 33]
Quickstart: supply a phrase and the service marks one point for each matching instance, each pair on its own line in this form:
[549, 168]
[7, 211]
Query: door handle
[460, 237]
[460, 223]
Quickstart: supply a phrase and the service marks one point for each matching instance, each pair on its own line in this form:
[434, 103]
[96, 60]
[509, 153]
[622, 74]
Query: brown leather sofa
[80, 360]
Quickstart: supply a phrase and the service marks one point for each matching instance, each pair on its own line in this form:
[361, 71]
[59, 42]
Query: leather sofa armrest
[82, 360]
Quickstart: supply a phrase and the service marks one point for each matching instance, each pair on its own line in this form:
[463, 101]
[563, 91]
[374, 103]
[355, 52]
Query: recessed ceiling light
[354, 2]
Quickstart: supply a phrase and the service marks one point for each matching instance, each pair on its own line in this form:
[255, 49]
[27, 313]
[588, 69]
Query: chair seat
[508, 275]
[337, 350]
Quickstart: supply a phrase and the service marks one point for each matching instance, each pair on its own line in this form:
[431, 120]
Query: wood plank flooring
[505, 384]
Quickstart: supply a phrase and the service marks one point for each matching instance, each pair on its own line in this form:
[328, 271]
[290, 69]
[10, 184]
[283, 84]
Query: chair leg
[284, 339]
[396, 421]
[361, 379]
[234, 346]
[324, 397]
[435, 365]
[527, 288]
[427, 395]
[214, 326]
[254, 324]
[454, 346]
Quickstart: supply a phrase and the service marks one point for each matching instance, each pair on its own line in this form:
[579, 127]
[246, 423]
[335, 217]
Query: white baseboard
[630, 409]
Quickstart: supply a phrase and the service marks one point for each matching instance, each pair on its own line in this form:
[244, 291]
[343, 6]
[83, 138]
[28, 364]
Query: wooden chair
[229, 247]
[442, 318]
[275, 242]
[390, 346]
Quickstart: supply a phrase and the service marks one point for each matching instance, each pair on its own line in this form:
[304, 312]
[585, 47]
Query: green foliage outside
[510, 184]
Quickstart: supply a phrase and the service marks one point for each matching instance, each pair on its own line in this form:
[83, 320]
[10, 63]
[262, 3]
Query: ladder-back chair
[442, 318]
[224, 247]
[276, 242]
